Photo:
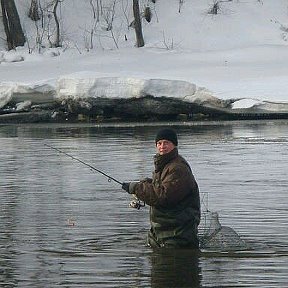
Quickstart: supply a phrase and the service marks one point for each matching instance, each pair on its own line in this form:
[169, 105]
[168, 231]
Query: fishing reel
[136, 203]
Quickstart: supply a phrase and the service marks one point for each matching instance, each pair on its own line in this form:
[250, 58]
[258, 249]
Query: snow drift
[77, 87]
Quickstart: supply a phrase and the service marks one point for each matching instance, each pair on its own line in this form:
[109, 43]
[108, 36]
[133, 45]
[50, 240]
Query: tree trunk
[138, 26]
[13, 29]
[57, 41]
[33, 11]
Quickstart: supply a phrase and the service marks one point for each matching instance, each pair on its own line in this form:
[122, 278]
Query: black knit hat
[167, 134]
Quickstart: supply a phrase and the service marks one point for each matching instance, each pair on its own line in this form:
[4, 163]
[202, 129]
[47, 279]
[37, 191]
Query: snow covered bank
[79, 94]
[78, 88]
[20, 92]
[121, 87]
[239, 56]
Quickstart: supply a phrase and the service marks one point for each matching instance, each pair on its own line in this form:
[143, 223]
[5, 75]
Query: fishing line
[86, 164]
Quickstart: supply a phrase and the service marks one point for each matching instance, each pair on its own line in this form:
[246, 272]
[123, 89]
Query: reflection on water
[64, 225]
[175, 268]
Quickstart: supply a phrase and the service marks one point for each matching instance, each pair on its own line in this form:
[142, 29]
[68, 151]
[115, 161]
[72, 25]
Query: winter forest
[50, 31]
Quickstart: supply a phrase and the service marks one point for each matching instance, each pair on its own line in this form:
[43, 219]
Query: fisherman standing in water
[172, 195]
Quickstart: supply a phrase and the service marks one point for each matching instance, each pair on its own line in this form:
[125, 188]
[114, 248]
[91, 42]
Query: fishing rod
[135, 203]
[86, 164]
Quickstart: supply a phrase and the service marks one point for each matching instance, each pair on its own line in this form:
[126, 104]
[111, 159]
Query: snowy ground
[241, 53]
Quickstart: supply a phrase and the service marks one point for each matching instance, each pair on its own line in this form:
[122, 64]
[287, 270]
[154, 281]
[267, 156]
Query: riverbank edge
[145, 109]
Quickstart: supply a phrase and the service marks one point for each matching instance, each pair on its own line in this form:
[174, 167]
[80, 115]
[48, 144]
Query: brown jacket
[173, 196]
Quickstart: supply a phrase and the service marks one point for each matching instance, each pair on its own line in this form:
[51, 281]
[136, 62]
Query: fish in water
[219, 238]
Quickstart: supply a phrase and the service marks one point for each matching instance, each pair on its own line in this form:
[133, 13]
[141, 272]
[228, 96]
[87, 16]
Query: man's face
[164, 146]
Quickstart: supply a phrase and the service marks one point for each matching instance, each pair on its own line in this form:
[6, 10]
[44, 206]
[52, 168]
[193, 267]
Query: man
[172, 195]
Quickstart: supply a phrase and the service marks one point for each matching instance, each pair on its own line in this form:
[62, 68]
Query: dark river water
[63, 225]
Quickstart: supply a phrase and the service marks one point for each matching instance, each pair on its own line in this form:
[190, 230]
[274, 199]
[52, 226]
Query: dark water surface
[63, 225]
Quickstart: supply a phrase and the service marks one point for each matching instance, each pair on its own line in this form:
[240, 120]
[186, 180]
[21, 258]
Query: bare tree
[138, 24]
[57, 23]
[34, 11]
[216, 6]
[12, 26]
[95, 8]
[180, 5]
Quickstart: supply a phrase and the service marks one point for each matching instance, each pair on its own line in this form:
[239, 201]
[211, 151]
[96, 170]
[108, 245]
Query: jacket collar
[161, 160]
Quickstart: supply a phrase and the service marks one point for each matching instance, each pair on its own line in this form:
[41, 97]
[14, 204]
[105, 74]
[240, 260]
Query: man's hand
[129, 187]
[125, 186]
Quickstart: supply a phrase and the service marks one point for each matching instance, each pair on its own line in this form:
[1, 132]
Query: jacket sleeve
[175, 184]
